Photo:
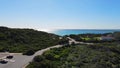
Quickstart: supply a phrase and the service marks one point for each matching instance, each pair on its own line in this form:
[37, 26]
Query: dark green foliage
[42, 64]
[22, 40]
[63, 41]
[80, 56]
[38, 58]
[117, 35]
[76, 37]
[29, 52]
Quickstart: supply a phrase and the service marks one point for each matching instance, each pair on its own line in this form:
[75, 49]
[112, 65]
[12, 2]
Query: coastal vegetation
[96, 38]
[26, 41]
[105, 55]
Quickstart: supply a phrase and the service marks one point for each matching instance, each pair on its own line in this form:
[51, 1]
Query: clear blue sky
[59, 14]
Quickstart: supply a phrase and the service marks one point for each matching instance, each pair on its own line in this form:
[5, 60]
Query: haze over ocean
[82, 31]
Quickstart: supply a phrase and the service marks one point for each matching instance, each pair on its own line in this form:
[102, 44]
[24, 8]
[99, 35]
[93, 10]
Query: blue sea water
[82, 31]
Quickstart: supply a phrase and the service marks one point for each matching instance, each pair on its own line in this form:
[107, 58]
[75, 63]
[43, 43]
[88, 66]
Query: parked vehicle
[9, 56]
[3, 61]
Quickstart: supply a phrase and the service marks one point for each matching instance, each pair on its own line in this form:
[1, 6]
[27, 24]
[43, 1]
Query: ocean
[82, 31]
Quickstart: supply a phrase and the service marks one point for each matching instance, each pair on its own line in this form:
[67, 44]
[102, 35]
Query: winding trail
[21, 61]
[77, 42]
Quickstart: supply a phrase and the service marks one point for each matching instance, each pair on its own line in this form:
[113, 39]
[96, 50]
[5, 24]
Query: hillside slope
[21, 40]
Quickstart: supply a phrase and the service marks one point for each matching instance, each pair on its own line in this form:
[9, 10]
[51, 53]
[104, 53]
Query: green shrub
[29, 52]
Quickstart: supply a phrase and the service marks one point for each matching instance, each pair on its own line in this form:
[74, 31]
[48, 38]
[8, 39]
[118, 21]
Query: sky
[60, 14]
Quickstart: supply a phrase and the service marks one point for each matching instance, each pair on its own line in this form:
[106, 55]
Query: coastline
[63, 32]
